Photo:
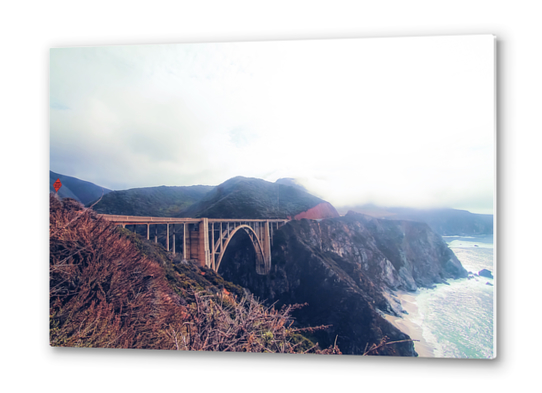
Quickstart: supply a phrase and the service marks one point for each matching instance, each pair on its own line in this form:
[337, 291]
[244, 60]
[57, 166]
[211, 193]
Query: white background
[29, 29]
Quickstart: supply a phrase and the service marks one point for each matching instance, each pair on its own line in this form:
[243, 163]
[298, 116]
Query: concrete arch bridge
[205, 240]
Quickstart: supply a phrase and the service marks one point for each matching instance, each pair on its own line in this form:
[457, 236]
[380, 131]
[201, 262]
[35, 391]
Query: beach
[407, 325]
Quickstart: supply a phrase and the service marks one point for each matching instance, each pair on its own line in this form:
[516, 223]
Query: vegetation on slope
[151, 201]
[239, 197]
[110, 289]
[242, 197]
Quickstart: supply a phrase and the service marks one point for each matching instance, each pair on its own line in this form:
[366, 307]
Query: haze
[391, 121]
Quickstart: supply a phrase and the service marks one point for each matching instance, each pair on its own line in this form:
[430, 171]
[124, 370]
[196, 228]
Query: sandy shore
[408, 302]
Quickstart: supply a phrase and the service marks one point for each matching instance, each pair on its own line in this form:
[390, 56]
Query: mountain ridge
[246, 197]
[444, 221]
[161, 201]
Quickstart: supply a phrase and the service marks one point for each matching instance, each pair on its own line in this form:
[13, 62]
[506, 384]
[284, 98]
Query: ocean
[457, 320]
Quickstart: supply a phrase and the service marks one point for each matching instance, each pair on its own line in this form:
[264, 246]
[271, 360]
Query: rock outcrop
[344, 269]
[485, 273]
[320, 211]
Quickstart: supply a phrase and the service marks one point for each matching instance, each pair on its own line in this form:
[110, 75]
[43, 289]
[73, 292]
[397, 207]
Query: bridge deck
[120, 219]
[150, 220]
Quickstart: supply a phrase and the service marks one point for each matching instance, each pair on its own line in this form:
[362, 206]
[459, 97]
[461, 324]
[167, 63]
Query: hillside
[80, 190]
[445, 222]
[111, 289]
[242, 197]
[347, 269]
[151, 201]
[239, 197]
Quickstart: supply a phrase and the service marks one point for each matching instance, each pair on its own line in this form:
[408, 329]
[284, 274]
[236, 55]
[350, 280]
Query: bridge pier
[184, 241]
[173, 239]
[212, 256]
[203, 240]
[167, 237]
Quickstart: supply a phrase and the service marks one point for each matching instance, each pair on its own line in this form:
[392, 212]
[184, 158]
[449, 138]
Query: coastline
[408, 326]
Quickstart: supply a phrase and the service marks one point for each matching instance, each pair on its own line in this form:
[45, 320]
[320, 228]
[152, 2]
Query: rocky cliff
[345, 268]
[322, 210]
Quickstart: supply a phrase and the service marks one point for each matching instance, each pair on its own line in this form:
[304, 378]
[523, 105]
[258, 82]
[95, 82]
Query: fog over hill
[445, 222]
[244, 197]
[239, 197]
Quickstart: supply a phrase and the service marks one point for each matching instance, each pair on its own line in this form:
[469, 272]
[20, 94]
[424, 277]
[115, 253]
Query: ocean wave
[458, 319]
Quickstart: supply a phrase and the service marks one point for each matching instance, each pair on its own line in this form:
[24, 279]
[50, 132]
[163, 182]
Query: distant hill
[445, 222]
[160, 201]
[242, 197]
[80, 190]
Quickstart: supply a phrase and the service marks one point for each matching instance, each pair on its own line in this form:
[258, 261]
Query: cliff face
[449, 222]
[410, 254]
[344, 268]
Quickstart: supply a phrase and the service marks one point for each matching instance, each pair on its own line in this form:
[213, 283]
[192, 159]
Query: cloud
[396, 121]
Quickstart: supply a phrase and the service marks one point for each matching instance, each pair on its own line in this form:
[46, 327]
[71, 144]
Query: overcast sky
[392, 121]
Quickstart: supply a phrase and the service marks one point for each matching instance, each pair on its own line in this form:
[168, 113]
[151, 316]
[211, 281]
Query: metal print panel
[302, 197]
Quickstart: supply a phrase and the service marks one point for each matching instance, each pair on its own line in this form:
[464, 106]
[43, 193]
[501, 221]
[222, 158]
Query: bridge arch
[263, 262]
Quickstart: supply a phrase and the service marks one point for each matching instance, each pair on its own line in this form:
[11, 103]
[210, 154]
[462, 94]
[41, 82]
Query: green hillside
[151, 201]
[242, 197]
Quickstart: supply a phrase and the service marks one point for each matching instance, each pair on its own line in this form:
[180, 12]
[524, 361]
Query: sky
[390, 121]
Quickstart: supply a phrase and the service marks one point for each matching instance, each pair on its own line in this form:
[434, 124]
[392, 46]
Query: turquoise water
[458, 319]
